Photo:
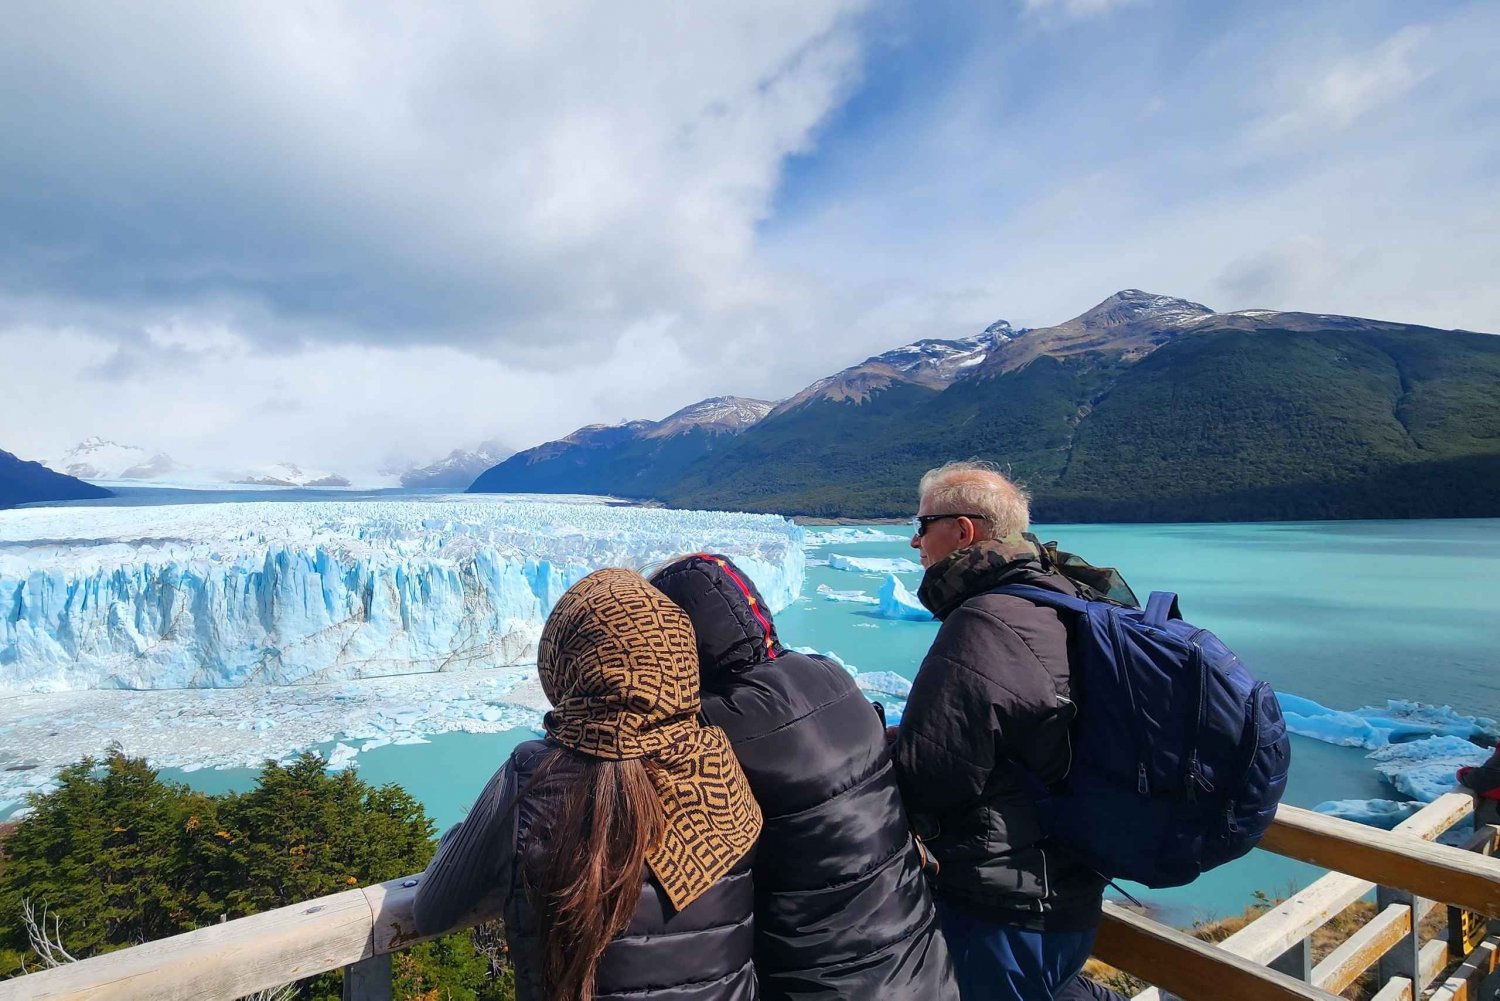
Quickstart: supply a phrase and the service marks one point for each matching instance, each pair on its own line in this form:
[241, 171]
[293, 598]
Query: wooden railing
[1271, 958]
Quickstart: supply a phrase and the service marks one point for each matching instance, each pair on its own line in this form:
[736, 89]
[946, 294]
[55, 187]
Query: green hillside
[609, 463]
[1218, 425]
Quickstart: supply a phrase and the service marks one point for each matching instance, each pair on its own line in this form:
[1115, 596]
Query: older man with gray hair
[984, 733]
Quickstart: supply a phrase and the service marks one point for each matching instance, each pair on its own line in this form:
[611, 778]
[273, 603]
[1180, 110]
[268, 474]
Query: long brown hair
[609, 820]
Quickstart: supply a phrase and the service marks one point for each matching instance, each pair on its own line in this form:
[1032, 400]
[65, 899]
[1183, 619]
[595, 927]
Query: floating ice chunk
[1423, 769]
[851, 536]
[342, 757]
[855, 597]
[896, 602]
[1372, 727]
[884, 683]
[815, 652]
[855, 564]
[1382, 813]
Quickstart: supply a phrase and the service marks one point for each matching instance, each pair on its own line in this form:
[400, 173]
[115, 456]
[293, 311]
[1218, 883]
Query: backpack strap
[1043, 596]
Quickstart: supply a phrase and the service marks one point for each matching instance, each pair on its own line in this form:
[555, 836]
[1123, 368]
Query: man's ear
[968, 532]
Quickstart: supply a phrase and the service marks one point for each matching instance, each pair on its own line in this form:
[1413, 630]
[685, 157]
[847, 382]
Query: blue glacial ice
[850, 536]
[1373, 727]
[227, 595]
[849, 597]
[1423, 769]
[1414, 747]
[896, 602]
[856, 564]
[1383, 813]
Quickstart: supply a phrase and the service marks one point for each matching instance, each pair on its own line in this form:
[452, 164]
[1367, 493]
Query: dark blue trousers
[1000, 962]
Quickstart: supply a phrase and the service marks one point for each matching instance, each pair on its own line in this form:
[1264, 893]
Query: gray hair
[977, 487]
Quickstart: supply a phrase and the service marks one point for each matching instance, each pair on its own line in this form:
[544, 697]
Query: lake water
[1345, 613]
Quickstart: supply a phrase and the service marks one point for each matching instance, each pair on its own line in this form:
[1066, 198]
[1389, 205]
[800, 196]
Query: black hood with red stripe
[731, 620]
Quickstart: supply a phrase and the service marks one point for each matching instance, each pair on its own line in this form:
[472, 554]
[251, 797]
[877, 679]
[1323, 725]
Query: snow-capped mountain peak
[715, 414]
[458, 468]
[97, 458]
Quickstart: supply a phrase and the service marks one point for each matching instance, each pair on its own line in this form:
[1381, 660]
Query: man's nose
[916, 541]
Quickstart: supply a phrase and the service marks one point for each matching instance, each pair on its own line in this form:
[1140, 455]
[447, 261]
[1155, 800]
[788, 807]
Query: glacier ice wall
[225, 595]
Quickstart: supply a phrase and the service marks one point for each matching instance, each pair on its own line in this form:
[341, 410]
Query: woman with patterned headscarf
[620, 846]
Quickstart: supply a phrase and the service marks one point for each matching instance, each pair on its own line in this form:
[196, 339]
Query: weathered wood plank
[1434, 958]
[1396, 990]
[1360, 951]
[1188, 968]
[221, 961]
[396, 924]
[1464, 983]
[1434, 871]
[1312, 907]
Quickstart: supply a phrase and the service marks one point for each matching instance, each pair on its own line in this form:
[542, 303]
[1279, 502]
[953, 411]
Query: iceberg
[1423, 769]
[237, 594]
[1382, 813]
[855, 564]
[884, 683]
[851, 537]
[1372, 727]
[896, 602]
[853, 597]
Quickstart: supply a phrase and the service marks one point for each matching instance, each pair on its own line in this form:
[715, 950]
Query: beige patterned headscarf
[619, 662]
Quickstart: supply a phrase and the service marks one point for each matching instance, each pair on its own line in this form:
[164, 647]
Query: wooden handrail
[1433, 871]
[275, 947]
[248, 954]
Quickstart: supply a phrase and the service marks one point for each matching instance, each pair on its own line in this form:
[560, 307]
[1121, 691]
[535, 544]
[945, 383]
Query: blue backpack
[1179, 755]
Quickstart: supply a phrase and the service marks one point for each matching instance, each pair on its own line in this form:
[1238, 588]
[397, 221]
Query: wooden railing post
[368, 979]
[1405, 957]
[1296, 962]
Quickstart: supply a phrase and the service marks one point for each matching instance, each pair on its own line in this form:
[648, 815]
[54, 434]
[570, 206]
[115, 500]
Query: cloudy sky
[345, 234]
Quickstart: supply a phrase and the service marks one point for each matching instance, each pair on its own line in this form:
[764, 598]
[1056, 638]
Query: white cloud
[1338, 95]
[1074, 9]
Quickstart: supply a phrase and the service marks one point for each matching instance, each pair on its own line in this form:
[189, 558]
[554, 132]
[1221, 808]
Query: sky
[351, 235]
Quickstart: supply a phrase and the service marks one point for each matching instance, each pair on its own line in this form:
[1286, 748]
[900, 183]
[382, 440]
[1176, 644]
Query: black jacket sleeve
[979, 687]
[473, 858]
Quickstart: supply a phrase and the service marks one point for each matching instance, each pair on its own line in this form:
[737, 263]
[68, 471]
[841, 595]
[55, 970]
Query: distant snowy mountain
[97, 458]
[287, 474]
[933, 364]
[717, 415]
[458, 468]
[1129, 325]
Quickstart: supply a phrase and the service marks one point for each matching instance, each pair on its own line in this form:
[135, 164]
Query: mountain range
[1144, 408]
[635, 459]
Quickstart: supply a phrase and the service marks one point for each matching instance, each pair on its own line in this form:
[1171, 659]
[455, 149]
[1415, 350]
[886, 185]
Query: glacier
[286, 593]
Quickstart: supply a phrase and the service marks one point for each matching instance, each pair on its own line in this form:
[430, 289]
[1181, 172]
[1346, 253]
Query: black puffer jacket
[842, 908]
[702, 953]
[985, 730]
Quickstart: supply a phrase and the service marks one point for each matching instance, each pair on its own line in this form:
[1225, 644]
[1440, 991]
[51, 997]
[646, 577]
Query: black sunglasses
[920, 522]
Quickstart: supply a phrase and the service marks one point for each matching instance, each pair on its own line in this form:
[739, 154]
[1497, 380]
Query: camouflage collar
[976, 569]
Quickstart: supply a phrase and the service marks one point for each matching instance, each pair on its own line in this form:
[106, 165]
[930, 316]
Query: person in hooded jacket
[985, 731]
[842, 907]
[619, 849]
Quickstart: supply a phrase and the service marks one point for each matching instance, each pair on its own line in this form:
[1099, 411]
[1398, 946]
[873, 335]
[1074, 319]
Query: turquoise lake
[1345, 613]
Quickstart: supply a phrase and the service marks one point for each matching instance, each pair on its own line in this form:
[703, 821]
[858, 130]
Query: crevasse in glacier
[227, 595]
